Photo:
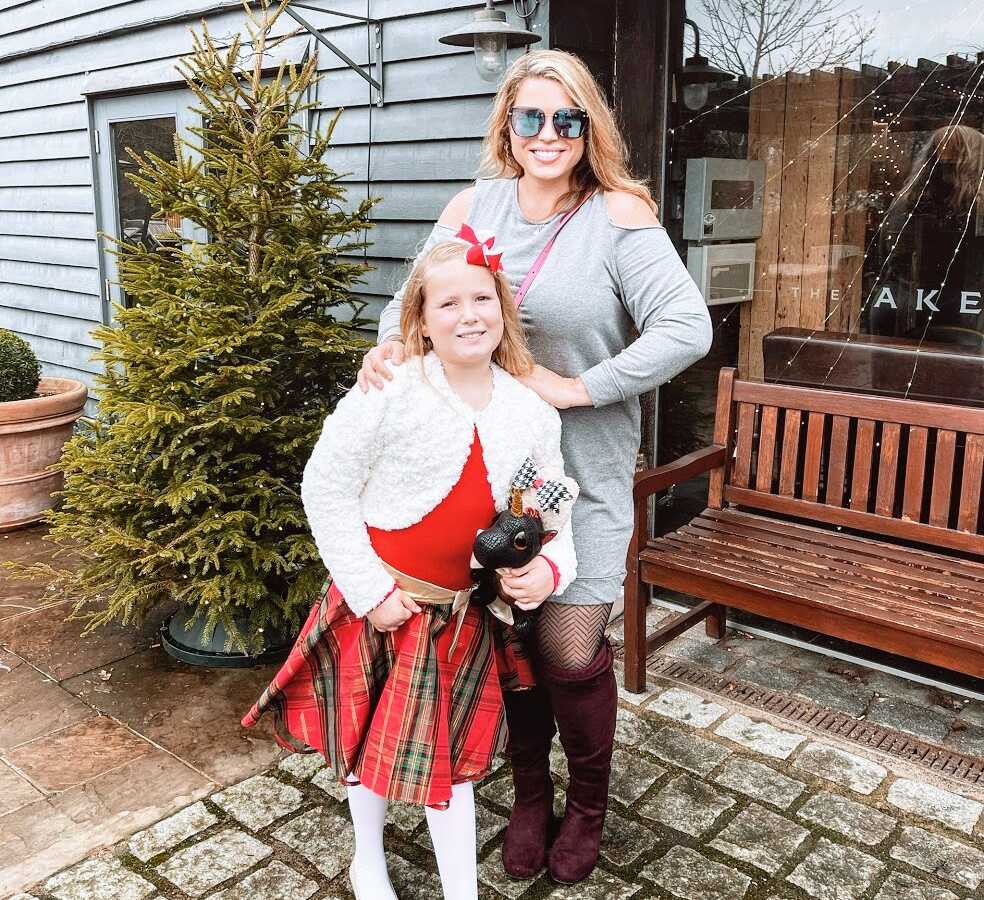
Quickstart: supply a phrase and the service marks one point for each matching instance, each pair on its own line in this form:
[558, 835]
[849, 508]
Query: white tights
[452, 832]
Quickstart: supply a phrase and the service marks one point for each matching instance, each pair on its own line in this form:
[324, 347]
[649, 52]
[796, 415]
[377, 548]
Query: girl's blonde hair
[604, 163]
[512, 354]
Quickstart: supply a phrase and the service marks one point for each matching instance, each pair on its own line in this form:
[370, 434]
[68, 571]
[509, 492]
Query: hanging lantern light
[697, 75]
[490, 35]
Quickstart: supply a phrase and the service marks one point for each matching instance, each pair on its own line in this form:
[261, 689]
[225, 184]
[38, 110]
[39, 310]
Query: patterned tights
[568, 637]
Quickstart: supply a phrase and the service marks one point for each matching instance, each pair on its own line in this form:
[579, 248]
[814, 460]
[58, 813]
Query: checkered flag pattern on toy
[525, 475]
[551, 494]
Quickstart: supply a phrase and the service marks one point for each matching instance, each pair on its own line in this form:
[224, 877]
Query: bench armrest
[683, 469]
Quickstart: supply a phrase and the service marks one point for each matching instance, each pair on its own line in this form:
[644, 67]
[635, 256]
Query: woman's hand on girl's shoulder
[456, 212]
[374, 368]
[629, 211]
[558, 391]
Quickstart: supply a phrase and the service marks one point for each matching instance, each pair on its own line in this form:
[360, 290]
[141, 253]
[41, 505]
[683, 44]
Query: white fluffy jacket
[388, 457]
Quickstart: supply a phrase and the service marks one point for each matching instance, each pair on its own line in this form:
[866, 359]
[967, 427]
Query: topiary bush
[20, 370]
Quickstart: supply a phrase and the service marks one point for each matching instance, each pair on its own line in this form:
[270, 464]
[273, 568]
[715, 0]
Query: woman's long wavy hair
[962, 146]
[604, 163]
[512, 354]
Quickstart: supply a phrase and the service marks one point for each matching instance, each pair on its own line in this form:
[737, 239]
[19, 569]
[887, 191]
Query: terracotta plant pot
[32, 434]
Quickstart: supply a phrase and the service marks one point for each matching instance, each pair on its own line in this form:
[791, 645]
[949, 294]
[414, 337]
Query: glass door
[144, 122]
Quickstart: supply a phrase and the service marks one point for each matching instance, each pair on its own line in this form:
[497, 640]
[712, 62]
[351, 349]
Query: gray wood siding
[424, 145]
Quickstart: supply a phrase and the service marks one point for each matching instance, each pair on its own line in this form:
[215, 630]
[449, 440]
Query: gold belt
[432, 594]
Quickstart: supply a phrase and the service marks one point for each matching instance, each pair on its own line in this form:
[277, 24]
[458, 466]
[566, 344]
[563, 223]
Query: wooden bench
[851, 515]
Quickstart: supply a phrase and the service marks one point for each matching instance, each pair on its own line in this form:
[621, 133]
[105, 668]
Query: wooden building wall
[424, 142]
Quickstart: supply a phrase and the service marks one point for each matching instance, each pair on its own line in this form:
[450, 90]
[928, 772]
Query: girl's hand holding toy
[392, 612]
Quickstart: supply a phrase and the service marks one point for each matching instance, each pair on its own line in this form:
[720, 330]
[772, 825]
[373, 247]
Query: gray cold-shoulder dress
[615, 306]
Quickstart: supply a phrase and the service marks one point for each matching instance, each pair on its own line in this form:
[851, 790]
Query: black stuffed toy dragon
[518, 534]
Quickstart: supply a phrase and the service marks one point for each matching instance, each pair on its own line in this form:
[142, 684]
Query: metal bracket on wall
[375, 65]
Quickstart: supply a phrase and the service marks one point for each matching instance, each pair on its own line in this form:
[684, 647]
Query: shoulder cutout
[455, 212]
[628, 211]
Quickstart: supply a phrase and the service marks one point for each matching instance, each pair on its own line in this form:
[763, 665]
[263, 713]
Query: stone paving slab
[841, 767]
[936, 803]
[688, 875]
[952, 860]
[273, 882]
[761, 737]
[624, 840]
[259, 801]
[835, 872]
[913, 718]
[689, 708]
[759, 782]
[760, 838]
[201, 867]
[174, 830]
[632, 776]
[854, 820]
[98, 879]
[302, 765]
[323, 838]
[903, 887]
[688, 805]
[687, 750]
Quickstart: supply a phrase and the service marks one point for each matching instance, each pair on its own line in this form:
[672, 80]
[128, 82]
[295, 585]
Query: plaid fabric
[392, 709]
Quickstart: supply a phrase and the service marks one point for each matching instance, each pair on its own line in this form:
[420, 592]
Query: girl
[394, 677]
[611, 315]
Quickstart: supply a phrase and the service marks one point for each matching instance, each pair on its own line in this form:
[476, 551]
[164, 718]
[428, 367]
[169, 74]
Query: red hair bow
[478, 253]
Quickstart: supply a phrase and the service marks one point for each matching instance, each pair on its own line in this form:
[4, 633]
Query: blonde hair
[604, 163]
[962, 145]
[512, 354]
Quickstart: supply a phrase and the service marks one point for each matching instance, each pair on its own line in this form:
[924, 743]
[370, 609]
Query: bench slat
[939, 503]
[915, 474]
[790, 453]
[864, 446]
[862, 521]
[888, 467]
[814, 455]
[837, 469]
[766, 449]
[973, 478]
[743, 459]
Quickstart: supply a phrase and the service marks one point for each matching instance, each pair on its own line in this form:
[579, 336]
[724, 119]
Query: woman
[611, 314]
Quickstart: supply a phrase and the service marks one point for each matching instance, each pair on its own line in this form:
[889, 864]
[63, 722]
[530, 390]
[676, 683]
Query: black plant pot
[187, 644]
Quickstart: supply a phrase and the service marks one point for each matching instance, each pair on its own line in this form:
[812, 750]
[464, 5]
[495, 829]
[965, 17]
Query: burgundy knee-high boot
[531, 730]
[584, 704]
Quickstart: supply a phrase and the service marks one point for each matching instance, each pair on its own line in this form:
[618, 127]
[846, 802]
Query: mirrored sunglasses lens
[527, 122]
[569, 123]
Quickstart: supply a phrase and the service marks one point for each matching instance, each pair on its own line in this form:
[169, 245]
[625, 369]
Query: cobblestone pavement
[710, 801]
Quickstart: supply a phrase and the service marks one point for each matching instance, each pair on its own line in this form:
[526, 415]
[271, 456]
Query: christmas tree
[222, 366]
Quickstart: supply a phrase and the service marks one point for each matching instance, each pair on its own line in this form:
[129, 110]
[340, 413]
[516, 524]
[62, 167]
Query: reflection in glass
[138, 222]
[873, 220]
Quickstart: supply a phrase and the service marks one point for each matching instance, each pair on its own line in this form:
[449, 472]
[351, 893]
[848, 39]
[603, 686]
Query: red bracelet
[553, 569]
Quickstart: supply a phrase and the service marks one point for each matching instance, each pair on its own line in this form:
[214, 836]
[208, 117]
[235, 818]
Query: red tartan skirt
[393, 710]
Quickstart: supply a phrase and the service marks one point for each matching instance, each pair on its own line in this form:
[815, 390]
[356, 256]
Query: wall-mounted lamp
[491, 35]
[697, 75]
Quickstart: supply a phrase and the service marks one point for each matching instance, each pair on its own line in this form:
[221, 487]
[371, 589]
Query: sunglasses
[528, 121]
